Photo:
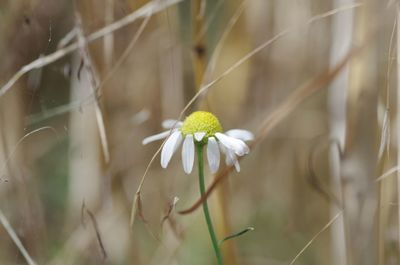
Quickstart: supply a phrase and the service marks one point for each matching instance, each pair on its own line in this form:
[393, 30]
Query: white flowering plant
[202, 129]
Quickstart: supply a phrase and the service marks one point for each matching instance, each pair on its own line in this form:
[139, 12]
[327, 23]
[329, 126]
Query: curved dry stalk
[12, 153]
[136, 204]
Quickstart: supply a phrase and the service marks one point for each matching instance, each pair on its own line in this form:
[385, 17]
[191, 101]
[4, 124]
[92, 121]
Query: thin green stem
[211, 231]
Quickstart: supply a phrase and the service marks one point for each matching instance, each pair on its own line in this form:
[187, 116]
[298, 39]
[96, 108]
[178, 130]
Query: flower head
[201, 121]
[201, 128]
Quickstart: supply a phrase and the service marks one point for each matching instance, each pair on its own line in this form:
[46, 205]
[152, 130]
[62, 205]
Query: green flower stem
[199, 148]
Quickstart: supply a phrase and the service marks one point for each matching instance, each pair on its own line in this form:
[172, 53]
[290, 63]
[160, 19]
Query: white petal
[213, 155]
[234, 144]
[233, 160]
[230, 157]
[240, 134]
[170, 123]
[199, 136]
[222, 147]
[237, 166]
[155, 137]
[188, 154]
[244, 147]
[170, 147]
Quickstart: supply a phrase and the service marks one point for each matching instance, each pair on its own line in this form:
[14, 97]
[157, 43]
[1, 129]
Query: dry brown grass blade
[140, 208]
[315, 237]
[14, 237]
[171, 206]
[154, 6]
[137, 205]
[94, 81]
[281, 112]
[388, 173]
[97, 230]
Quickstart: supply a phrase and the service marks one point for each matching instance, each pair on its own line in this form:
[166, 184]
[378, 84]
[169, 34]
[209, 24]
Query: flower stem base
[214, 241]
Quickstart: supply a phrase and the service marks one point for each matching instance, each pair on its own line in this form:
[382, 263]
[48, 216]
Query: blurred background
[314, 80]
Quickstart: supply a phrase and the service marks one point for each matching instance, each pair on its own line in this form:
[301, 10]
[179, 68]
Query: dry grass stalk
[108, 42]
[330, 223]
[398, 120]
[95, 83]
[15, 239]
[386, 188]
[98, 236]
[342, 37]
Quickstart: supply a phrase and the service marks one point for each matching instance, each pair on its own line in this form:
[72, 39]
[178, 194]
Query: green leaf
[242, 232]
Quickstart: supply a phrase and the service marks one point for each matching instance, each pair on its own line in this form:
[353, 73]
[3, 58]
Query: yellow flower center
[201, 121]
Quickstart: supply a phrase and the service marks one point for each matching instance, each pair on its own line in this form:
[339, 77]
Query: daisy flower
[201, 128]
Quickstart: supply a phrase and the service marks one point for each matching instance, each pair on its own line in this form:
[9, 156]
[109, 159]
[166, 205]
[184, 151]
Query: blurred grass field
[316, 81]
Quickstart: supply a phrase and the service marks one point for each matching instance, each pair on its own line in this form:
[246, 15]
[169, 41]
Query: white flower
[201, 128]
